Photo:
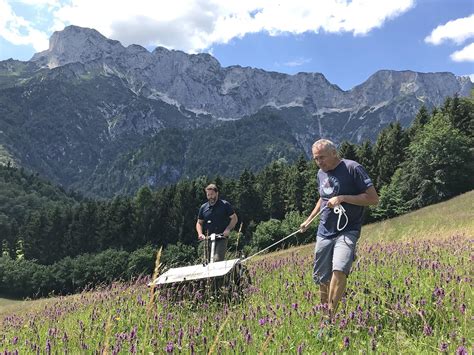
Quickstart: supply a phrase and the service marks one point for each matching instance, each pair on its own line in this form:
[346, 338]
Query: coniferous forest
[57, 242]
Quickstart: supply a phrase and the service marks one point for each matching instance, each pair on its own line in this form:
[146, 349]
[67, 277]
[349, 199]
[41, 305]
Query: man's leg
[336, 290]
[322, 268]
[324, 293]
[344, 254]
[220, 249]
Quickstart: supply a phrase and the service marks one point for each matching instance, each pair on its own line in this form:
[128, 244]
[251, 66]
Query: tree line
[64, 246]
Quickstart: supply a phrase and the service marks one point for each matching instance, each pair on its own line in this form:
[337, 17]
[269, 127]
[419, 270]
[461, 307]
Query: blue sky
[347, 41]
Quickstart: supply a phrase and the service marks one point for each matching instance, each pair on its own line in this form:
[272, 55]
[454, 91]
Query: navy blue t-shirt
[348, 178]
[217, 217]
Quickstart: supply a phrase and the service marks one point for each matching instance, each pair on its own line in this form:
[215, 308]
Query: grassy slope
[393, 282]
[455, 216]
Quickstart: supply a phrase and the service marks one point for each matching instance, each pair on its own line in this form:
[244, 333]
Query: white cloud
[297, 62]
[464, 55]
[40, 3]
[471, 76]
[456, 30]
[197, 25]
[19, 31]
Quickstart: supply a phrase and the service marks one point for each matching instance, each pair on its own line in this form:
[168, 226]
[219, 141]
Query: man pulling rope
[344, 189]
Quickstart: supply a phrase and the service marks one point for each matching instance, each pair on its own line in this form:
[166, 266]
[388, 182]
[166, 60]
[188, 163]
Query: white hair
[325, 144]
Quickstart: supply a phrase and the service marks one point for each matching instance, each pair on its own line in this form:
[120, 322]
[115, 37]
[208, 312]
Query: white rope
[340, 211]
[261, 251]
[288, 236]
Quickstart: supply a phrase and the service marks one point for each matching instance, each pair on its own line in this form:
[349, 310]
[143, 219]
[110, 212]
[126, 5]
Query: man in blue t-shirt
[343, 183]
[216, 216]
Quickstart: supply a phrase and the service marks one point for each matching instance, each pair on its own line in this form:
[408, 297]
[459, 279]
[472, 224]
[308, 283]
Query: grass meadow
[410, 292]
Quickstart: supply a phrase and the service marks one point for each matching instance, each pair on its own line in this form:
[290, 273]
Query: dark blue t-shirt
[217, 217]
[348, 178]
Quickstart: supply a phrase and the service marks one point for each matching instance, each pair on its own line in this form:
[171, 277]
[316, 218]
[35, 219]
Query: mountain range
[101, 118]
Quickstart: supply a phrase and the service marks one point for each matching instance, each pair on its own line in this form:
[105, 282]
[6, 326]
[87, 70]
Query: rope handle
[340, 211]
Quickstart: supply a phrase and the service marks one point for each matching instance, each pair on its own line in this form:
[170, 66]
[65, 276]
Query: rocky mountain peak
[198, 83]
[77, 44]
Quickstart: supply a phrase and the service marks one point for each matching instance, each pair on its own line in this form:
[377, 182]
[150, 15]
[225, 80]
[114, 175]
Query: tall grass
[408, 293]
[455, 216]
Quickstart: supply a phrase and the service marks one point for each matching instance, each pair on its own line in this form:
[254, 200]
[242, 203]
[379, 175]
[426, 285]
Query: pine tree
[249, 203]
[35, 237]
[347, 150]
[421, 118]
[365, 157]
[144, 212]
[273, 202]
[389, 153]
[460, 112]
[391, 202]
[295, 184]
[311, 193]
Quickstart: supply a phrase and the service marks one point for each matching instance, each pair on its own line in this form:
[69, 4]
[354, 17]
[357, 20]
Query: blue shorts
[334, 254]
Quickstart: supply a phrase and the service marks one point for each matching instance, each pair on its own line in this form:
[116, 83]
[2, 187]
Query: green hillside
[455, 216]
[405, 295]
[23, 193]
[175, 154]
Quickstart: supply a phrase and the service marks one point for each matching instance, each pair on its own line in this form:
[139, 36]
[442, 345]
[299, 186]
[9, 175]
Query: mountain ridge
[87, 103]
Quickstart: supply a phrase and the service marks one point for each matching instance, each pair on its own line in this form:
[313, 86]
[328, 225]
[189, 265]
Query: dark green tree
[365, 157]
[35, 236]
[421, 118]
[389, 152]
[439, 164]
[347, 150]
[296, 181]
[391, 202]
[310, 193]
[271, 183]
[144, 211]
[460, 112]
[249, 203]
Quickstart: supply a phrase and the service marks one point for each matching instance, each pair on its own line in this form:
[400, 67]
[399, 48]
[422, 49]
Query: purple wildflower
[461, 351]
[346, 342]
[133, 333]
[373, 344]
[427, 330]
[169, 347]
[443, 347]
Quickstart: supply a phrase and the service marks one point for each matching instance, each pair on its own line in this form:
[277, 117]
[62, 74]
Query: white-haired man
[346, 183]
